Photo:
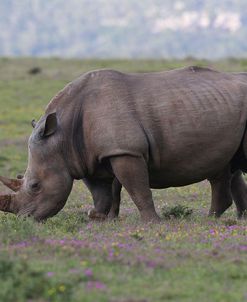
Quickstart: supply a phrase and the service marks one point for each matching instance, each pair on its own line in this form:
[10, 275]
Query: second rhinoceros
[139, 131]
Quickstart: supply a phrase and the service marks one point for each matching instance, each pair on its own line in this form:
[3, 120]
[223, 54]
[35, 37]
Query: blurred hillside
[125, 29]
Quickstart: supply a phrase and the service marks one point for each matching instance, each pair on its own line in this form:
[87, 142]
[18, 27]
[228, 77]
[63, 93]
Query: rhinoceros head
[46, 185]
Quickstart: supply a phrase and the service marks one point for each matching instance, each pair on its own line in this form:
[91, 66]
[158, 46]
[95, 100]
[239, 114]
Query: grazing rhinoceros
[153, 130]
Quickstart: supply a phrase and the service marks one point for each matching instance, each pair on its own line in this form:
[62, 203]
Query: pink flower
[49, 274]
[88, 272]
[243, 247]
[96, 285]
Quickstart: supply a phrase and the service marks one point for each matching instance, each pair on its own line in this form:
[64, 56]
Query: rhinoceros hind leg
[116, 198]
[221, 193]
[239, 193]
[102, 196]
[132, 173]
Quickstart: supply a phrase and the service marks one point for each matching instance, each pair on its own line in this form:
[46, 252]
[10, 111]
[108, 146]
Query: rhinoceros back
[187, 123]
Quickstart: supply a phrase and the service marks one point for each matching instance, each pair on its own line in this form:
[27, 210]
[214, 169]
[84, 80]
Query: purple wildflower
[96, 285]
[50, 274]
[243, 247]
[88, 273]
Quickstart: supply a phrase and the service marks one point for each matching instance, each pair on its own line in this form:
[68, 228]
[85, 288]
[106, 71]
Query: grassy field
[188, 257]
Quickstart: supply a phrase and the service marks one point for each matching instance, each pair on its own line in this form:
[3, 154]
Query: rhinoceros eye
[35, 186]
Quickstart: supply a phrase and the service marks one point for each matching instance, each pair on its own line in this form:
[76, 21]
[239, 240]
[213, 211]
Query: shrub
[178, 211]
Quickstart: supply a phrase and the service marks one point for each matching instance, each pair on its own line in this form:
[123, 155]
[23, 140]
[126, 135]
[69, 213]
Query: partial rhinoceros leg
[116, 198]
[221, 193]
[239, 193]
[102, 196]
[132, 173]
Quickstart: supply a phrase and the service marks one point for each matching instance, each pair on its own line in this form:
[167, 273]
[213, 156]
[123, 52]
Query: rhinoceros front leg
[221, 193]
[116, 198]
[239, 193]
[132, 173]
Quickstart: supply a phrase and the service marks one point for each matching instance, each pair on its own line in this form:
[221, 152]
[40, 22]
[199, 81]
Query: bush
[177, 211]
[19, 282]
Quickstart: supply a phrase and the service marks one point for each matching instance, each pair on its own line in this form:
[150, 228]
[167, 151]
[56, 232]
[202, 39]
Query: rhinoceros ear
[33, 123]
[50, 125]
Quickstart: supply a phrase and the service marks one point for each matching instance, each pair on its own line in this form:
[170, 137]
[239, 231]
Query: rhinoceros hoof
[93, 214]
[112, 216]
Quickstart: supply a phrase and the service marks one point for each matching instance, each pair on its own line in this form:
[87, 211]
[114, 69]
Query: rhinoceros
[139, 131]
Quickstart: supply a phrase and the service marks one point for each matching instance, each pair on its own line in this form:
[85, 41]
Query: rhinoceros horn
[13, 184]
[8, 203]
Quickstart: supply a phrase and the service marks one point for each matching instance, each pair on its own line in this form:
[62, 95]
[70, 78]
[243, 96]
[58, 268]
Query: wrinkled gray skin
[138, 131]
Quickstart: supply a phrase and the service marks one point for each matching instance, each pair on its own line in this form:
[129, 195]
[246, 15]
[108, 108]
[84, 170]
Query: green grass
[188, 257]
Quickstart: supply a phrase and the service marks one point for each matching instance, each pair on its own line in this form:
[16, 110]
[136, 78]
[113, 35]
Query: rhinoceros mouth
[22, 202]
[9, 203]
[27, 211]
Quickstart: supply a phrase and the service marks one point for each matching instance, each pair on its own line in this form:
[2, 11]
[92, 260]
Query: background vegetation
[127, 29]
[188, 257]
